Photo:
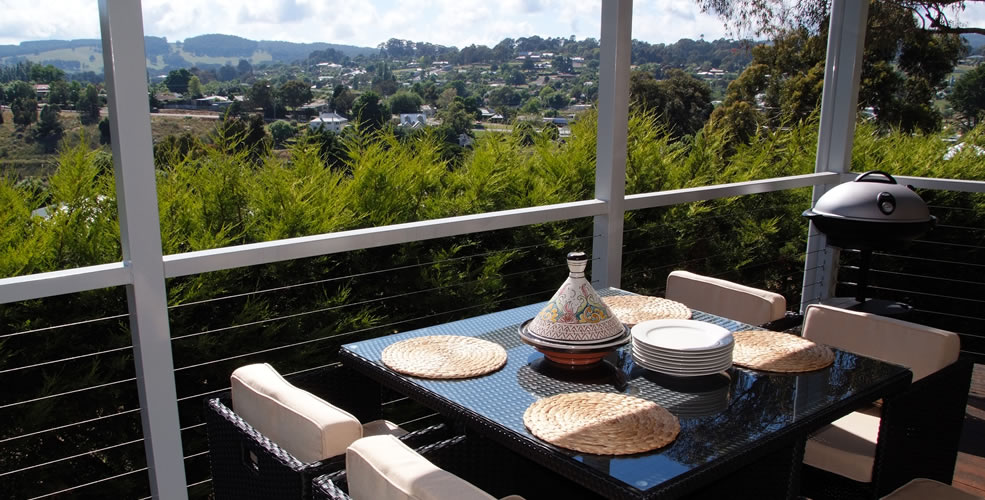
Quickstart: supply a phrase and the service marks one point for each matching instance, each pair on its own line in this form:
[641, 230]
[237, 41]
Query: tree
[903, 67]
[384, 82]
[244, 67]
[455, 117]
[562, 64]
[49, 129]
[25, 110]
[281, 131]
[968, 97]
[194, 87]
[20, 89]
[88, 105]
[552, 98]
[177, 80]
[342, 100]
[681, 101]
[295, 93]
[775, 16]
[226, 73]
[369, 112]
[447, 97]
[104, 131]
[514, 77]
[405, 102]
[260, 95]
[60, 93]
[503, 96]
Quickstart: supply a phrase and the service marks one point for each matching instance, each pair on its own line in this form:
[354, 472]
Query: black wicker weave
[247, 465]
[918, 437]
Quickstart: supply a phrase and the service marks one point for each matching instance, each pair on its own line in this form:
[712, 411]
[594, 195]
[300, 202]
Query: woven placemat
[444, 356]
[601, 423]
[779, 352]
[633, 309]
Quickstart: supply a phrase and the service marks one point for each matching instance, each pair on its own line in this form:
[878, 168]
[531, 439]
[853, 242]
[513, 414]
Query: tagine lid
[576, 312]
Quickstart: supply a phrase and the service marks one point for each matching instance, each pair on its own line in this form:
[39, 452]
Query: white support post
[613, 129]
[842, 69]
[133, 161]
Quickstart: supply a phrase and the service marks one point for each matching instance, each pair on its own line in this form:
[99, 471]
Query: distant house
[42, 90]
[413, 120]
[331, 122]
[427, 110]
[217, 101]
[557, 120]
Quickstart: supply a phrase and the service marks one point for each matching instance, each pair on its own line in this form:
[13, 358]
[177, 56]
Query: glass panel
[56, 171]
[319, 118]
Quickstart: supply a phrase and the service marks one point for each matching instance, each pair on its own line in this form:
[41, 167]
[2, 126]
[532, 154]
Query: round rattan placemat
[779, 352]
[633, 309]
[601, 423]
[444, 356]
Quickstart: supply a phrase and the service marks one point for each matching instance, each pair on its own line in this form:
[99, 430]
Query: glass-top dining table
[742, 431]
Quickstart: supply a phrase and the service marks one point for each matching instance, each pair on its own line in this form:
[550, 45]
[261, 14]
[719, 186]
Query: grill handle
[888, 178]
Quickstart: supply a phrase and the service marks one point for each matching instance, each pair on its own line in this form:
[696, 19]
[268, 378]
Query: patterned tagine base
[573, 355]
[584, 359]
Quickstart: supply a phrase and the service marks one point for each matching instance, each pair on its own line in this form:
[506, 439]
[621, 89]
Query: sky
[368, 23]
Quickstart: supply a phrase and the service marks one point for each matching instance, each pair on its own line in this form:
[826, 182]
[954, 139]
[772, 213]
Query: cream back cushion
[922, 349]
[384, 468]
[305, 425]
[724, 298]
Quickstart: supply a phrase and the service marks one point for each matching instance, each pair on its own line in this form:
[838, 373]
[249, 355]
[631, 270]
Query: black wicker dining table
[742, 431]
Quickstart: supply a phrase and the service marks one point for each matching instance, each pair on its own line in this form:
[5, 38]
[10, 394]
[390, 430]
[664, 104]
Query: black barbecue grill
[873, 212]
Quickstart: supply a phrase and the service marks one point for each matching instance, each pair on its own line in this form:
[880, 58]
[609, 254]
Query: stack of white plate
[682, 347]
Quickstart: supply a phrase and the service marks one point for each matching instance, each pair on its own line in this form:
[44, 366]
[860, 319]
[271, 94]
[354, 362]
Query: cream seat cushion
[384, 468]
[926, 489]
[305, 425]
[922, 349]
[725, 298]
[848, 446]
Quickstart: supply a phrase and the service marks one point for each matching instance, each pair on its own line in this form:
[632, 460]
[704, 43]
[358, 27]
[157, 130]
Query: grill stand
[879, 307]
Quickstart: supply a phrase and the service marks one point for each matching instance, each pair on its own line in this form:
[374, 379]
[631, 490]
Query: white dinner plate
[688, 371]
[681, 335]
[725, 350]
[683, 365]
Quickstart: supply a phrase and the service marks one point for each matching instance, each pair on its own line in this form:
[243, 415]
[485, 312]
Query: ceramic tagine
[575, 328]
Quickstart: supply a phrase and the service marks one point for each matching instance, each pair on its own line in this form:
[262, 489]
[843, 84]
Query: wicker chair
[873, 451]
[382, 468]
[487, 470]
[247, 464]
[728, 299]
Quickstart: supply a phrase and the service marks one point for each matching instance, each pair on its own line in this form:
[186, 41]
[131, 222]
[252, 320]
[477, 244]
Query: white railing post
[613, 129]
[125, 66]
[846, 40]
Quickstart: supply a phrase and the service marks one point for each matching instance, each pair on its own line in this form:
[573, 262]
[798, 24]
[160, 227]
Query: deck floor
[969, 472]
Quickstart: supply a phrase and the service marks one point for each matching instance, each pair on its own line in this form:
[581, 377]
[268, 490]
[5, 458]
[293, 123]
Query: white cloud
[674, 20]
[368, 23]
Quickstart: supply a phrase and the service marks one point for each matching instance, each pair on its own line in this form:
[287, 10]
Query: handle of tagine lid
[577, 262]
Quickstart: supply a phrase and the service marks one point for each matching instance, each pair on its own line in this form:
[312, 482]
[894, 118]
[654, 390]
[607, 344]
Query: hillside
[975, 41]
[204, 51]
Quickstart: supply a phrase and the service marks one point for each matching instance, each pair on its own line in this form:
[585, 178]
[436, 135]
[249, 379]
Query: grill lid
[873, 196]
